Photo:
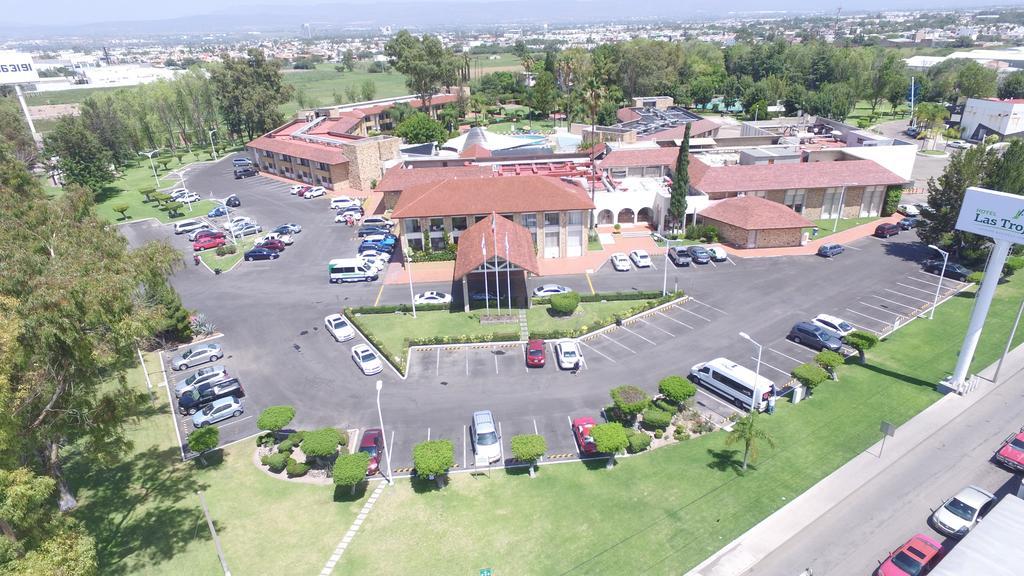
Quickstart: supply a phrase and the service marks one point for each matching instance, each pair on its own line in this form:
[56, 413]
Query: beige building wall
[776, 238]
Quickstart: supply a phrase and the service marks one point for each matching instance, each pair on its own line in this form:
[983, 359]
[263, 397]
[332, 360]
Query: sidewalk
[773, 532]
[844, 237]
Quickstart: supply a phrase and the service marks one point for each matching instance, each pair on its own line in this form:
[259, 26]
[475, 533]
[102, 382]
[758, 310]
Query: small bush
[829, 361]
[433, 457]
[528, 447]
[702, 233]
[344, 438]
[630, 400]
[565, 304]
[975, 277]
[1013, 263]
[350, 469]
[667, 406]
[276, 462]
[230, 248]
[809, 375]
[296, 437]
[681, 433]
[655, 419]
[294, 468]
[286, 446]
[266, 439]
[221, 250]
[677, 388]
[659, 433]
[321, 443]
[637, 441]
[610, 437]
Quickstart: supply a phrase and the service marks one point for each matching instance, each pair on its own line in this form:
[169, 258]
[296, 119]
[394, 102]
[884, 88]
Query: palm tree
[593, 93]
[933, 116]
[746, 431]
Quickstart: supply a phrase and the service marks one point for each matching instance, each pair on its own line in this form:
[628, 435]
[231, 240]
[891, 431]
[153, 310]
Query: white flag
[506, 243]
[483, 246]
[494, 223]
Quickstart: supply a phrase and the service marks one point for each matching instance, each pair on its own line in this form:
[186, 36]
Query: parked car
[232, 201]
[193, 400]
[316, 192]
[581, 428]
[220, 409]
[433, 297]
[366, 230]
[908, 210]
[909, 222]
[342, 202]
[292, 229]
[248, 230]
[830, 250]
[196, 355]
[1011, 452]
[245, 172]
[376, 264]
[378, 255]
[814, 336]
[640, 258]
[535, 356]
[286, 238]
[366, 359]
[217, 212]
[187, 198]
[201, 376]
[887, 230]
[568, 353]
[207, 242]
[271, 244]
[915, 558]
[204, 231]
[178, 193]
[354, 212]
[718, 254]
[833, 323]
[237, 221]
[679, 256]
[959, 145]
[699, 254]
[384, 239]
[186, 226]
[620, 262]
[376, 246]
[550, 290]
[260, 253]
[338, 327]
[484, 434]
[378, 221]
[912, 131]
[373, 444]
[961, 513]
[296, 188]
[241, 162]
[953, 270]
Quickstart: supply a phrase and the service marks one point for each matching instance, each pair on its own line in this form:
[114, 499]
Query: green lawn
[395, 330]
[74, 96]
[227, 261]
[125, 190]
[539, 317]
[321, 85]
[145, 514]
[664, 512]
[883, 112]
[825, 226]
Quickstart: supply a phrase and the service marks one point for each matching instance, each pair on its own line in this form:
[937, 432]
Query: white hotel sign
[17, 68]
[994, 214]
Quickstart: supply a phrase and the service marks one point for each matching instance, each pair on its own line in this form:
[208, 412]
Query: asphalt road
[271, 314]
[852, 538]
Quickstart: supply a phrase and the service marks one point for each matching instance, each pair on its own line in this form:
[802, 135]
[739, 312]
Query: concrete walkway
[844, 237]
[745, 552]
[339, 550]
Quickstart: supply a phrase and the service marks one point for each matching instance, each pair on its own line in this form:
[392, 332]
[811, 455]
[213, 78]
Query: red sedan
[535, 354]
[207, 242]
[915, 558]
[581, 428]
[372, 444]
[302, 191]
[272, 244]
[1011, 453]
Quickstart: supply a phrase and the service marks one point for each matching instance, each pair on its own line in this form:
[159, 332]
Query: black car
[909, 222]
[887, 230]
[953, 270]
[194, 400]
[371, 230]
[699, 254]
[814, 336]
[245, 172]
[259, 253]
[679, 256]
[232, 201]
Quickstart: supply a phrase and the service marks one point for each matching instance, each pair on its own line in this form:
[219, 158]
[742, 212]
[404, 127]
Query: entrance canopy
[480, 241]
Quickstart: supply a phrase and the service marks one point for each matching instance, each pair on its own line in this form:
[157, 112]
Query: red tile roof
[699, 129]
[475, 151]
[737, 178]
[521, 250]
[341, 125]
[753, 213]
[468, 196]
[397, 178]
[625, 158]
[626, 114]
[313, 151]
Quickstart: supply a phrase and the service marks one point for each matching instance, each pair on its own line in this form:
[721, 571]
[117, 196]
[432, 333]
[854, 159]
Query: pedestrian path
[844, 237]
[347, 539]
[524, 331]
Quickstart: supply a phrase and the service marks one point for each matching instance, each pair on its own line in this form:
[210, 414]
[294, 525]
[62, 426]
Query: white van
[186, 226]
[739, 384]
[350, 270]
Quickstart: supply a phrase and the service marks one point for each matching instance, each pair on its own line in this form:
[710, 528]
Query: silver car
[196, 355]
[486, 443]
[202, 376]
[961, 513]
[220, 409]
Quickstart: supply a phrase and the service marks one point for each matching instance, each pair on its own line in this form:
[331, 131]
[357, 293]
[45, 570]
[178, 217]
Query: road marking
[712, 262]
[379, 292]
[673, 319]
[881, 309]
[871, 317]
[437, 363]
[729, 260]
[599, 352]
[908, 296]
[616, 342]
[591, 284]
[914, 308]
[704, 318]
[863, 327]
[233, 422]
[391, 447]
[467, 361]
[495, 361]
[656, 327]
[800, 346]
[770, 366]
[913, 288]
[710, 306]
[428, 434]
[712, 396]
[652, 342]
[928, 282]
[851, 248]
[786, 355]
[525, 365]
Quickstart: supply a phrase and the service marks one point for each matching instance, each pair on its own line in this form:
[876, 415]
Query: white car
[187, 197]
[186, 226]
[833, 323]
[237, 221]
[294, 189]
[908, 210]
[620, 262]
[958, 144]
[339, 327]
[433, 297]
[286, 238]
[342, 202]
[718, 254]
[376, 264]
[550, 290]
[345, 216]
[315, 192]
[382, 256]
[961, 513]
[367, 360]
[378, 221]
[568, 353]
[178, 192]
[640, 258]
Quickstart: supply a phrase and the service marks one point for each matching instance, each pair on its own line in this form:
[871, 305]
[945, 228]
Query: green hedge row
[392, 308]
[611, 296]
[462, 339]
[577, 332]
[434, 255]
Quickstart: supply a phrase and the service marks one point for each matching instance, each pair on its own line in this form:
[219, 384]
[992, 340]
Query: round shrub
[630, 400]
[265, 439]
[220, 251]
[296, 437]
[637, 441]
[610, 437]
[321, 443]
[294, 468]
[681, 433]
[677, 388]
[659, 433]
[230, 248]
[275, 418]
[433, 457]
[565, 304]
[276, 462]
[286, 446]
[809, 375]
[655, 418]
[975, 277]
[528, 447]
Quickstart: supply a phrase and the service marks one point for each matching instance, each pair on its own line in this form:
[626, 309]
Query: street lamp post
[213, 149]
[938, 287]
[757, 368]
[380, 416]
[408, 270]
[152, 165]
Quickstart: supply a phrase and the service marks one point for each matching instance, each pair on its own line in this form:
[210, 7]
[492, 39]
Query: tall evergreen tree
[680, 182]
[946, 196]
[1007, 173]
[81, 158]
[249, 91]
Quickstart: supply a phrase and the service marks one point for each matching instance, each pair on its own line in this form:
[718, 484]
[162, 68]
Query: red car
[1011, 453]
[272, 244]
[581, 430]
[207, 242]
[302, 191]
[372, 444]
[535, 353]
[915, 558]
[208, 234]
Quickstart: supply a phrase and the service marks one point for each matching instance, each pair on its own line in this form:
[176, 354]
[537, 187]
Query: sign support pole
[28, 117]
[982, 302]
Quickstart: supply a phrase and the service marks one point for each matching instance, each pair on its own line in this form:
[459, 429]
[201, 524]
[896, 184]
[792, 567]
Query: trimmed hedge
[463, 339]
[636, 441]
[323, 442]
[630, 399]
[393, 308]
[656, 418]
[809, 375]
[528, 447]
[565, 304]
[677, 388]
[276, 462]
[274, 418]
[295, 469]
[434, 255]
[611, 296]
[610, 437]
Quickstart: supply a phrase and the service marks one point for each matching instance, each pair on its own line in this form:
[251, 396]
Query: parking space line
[391, 447]
[719, 310]
[525, 365]
[855, 325]
[617, 342]
[428, 433]
[656, 327]
[913, 288]
[770, 366]
[704, 318]
[651, 342]
[573, 433]
[914, 308]
[591, 284]
[437, 363]
[379, 292]
[467, 361]
[850, 247]
[599, 352]
[535, 431]
[659, 312]
[871, 317]
[799, 346]
[222, 426]
[729, 260]
[495, 361]
[785, 355]
[881, 309]
[908, 296]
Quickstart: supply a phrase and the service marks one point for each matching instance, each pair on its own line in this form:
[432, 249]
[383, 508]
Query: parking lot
[271, 314]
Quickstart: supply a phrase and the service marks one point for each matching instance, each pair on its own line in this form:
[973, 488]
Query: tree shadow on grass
[106, 193]
[726, 460]
[145, 506]
[595, 463]
[899, 376]
[345, 493]
[425, 485]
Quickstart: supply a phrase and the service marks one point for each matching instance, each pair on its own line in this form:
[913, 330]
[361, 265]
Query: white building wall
[897, 159]
[1003, 117]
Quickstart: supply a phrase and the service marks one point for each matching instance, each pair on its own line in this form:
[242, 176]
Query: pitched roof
[625, 158]
[314, 151]
[475, 151]
[521, 250]
[739, 178]
[397, 178]
[626, 114]
[753, 213]
[468, 196]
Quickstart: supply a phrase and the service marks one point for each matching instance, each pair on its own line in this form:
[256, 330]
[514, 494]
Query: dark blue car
[371, 230]
[261, 254]
[378, 246]
[699, 254]
[830, 250]
[217, 212]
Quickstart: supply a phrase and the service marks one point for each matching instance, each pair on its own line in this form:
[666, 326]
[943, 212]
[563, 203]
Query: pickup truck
[194, 400]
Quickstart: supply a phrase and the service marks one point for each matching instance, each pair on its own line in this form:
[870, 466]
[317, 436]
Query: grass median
[394, 331]
[666, 511]
[227, 261]
[589, 314]
[825, 226]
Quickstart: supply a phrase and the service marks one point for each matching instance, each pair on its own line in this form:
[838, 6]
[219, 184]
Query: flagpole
[508, 274]
[497, 279]
[487, 291]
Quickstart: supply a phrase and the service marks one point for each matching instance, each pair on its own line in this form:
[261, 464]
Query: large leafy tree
[680, 182]
[426, 63]
[1013, 85]
[945, 197]
[420, 128]
[885, 71]
[1007, 173]
[249, 91]
[14, 130]
[103, 118]
[543, 95]
[82, 159]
